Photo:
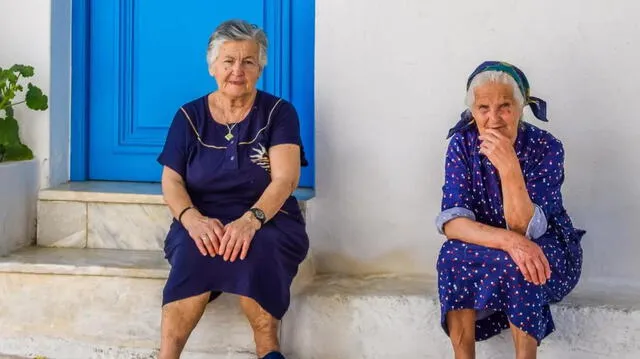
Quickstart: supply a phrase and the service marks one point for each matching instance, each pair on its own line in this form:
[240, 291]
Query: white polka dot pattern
[475, 277]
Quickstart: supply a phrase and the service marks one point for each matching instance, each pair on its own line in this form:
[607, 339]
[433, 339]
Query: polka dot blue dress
[475, 277]
[224, 176]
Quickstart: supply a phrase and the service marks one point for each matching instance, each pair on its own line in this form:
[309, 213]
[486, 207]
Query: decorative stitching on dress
[261, 158]
[195, 131]
[267, 125]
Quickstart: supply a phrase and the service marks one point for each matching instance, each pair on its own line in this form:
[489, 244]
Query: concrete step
[70, 303]
[78, 350]
[107, 215]
[399, 317]
[95, 303]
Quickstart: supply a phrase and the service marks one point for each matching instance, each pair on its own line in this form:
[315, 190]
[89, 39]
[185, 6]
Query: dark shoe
[274, 355]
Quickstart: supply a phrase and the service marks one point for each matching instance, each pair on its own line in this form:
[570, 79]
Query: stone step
[73, 303]
[77, 350]
[95, 303]
[399, 317]
[107, 215]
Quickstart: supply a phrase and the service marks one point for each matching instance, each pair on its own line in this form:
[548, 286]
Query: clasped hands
[213, 238]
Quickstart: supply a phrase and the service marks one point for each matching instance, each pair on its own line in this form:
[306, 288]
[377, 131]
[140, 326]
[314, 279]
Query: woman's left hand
[237, 237]
[499, 150]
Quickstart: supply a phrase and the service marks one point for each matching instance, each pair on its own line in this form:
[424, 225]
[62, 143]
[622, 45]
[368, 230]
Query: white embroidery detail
[261, 157]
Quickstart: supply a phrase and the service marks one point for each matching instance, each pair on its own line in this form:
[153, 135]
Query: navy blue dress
[485, 279]
[224, 178]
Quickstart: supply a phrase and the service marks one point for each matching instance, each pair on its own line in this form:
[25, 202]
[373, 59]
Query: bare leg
[178, 320]
[526, 345]
[265, 327]
[462, 332]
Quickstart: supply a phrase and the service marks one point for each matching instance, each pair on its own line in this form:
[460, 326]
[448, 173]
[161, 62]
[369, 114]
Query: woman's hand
[529, 258]
[205, 232]
[499, 150]
[238, 236]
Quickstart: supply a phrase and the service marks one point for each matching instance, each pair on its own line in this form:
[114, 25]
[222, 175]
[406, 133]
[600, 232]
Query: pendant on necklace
[228, 136]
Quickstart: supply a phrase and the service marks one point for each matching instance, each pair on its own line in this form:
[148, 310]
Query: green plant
[11, 148]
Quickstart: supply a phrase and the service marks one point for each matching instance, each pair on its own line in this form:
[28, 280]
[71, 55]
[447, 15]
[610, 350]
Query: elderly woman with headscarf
[511, 248]
[231, 163]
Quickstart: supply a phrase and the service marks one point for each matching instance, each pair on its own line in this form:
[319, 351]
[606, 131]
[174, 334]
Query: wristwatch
[259, 214]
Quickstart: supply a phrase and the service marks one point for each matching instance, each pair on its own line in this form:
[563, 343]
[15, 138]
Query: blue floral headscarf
[537, 105]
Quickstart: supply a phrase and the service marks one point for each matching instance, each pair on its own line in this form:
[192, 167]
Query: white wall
[390, 81]
[18, 195]
[26, 39]
[38, 33]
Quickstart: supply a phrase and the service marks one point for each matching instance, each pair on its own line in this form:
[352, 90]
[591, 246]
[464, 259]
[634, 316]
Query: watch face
[258, 213]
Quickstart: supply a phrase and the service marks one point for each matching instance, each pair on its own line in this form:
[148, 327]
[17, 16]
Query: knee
[461, 324]
[451, 254]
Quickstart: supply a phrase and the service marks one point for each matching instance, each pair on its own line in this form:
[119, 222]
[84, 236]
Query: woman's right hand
[529, 258]
[205, 232]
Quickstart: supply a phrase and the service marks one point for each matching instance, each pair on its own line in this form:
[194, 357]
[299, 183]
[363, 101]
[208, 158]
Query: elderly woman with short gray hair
[511, 249]
[231, 162]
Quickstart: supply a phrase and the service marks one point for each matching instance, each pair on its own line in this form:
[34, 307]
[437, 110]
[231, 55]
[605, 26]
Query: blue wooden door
[145, 58]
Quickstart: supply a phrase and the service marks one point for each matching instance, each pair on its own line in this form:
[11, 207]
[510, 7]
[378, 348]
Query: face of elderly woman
[495, 108]
[237, 69]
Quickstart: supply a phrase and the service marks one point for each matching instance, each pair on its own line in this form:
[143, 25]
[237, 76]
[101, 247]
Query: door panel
[148, 57]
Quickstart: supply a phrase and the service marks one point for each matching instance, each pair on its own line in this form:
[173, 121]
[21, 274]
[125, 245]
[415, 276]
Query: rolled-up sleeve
[452, 213]
[457, 195]
[537, 225]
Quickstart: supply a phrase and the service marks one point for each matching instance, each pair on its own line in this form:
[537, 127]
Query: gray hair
[495, 77]
[237, 30]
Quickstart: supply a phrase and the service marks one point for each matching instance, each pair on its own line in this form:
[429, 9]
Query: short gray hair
[495, 77]
[237, 30]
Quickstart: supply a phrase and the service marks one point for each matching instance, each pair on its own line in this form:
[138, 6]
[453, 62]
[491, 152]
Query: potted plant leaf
[11, 148]
[18, 169]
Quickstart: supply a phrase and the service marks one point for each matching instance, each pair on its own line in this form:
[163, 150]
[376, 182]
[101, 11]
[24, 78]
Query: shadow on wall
[337, 262]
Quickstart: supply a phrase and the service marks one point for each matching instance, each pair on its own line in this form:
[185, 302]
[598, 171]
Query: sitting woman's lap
[475, 277]
[264, 275]
[458, 256]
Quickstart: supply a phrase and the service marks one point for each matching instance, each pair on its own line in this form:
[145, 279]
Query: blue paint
[302, 79]
[79, 90]
[304, 194]
[60, 90]
[133, 69]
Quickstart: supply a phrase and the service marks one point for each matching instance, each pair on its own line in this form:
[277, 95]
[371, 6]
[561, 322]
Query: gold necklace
[229, 136]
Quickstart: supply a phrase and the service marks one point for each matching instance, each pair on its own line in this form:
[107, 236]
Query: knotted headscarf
[537, 105]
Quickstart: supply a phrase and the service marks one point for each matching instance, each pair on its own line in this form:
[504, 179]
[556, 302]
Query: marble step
[73, 303]
[6, 356]
[107, 215]
[78, 350]
[399, 317]
[95, 303]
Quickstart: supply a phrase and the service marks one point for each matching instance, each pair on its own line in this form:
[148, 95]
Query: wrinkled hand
[237, 238]
[499, 150]
[205, 232]
[530, 259]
